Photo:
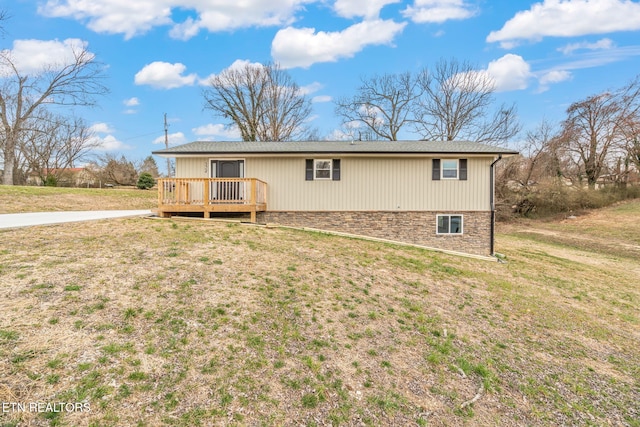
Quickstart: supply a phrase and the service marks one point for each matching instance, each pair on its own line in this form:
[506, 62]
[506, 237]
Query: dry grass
[172, 322]
[46, 199]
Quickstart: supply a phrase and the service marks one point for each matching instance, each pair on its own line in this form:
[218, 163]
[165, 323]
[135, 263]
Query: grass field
[186, 323]
[20, 199]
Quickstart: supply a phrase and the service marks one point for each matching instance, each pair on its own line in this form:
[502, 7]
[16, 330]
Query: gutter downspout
[492, 204]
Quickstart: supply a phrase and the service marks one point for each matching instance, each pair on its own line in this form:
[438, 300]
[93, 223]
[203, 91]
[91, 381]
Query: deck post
[160, 192]
[253, 191]
[254, 185]
[207, 193]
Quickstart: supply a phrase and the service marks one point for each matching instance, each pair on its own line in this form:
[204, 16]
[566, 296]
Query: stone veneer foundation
[408, 226]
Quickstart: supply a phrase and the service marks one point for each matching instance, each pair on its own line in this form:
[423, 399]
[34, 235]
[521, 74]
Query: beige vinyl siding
[367, 183]
[192, 167]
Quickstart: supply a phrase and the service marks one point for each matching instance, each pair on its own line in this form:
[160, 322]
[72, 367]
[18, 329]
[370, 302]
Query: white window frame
[442, 169]
[449, 233]
[315, 170]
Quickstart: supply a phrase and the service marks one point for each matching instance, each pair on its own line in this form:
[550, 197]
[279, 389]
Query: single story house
[65, 177]
[438, 194]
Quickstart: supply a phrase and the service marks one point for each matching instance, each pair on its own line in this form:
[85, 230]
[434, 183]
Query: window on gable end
[322, 169]
[449, 169]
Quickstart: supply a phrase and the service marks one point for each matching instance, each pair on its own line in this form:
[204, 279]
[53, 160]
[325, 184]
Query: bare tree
[263, 101]
[383, 104]
[598, 126]
[540, 158]
[286, 109]
[456, 105]
[149, 166]
[22, 95]
[52, 144]
[3, 17]
[633, 151]
[114, 170]
[631, 131]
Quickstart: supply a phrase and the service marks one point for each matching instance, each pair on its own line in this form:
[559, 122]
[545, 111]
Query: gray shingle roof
[334, 147]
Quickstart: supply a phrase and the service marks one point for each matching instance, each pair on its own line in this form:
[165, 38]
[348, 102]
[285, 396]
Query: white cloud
[364, 8]
[311, 88]
[109, 143]
[223, 15]
[598, 58]
[303, 47]
[348, 131]
[163, 75]
[339, 135]
[34, 56]
[552, 77]
[101, 128]
[438, 11]
[126, 17]
[136, 17]
[568, 18]
[131, 102]
[603, 44]
[321, 98]
[176, 138]
[511, 72]
[104, 140]
[238, 64]
[241, 64]
[216, 131]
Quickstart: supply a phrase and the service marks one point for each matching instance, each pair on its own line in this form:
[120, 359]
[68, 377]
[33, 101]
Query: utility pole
[166, 144]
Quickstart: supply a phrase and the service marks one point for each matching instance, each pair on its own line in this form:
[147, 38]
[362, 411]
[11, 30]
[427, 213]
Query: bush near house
[145, 181]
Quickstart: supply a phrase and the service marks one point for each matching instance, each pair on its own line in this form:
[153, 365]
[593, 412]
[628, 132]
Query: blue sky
[543, 55]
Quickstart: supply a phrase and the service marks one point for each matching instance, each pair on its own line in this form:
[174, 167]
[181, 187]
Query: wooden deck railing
[211, 195]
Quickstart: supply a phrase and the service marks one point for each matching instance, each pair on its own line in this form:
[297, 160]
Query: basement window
[449, 224]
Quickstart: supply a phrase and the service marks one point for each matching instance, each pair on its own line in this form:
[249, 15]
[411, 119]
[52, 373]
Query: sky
[159, 54]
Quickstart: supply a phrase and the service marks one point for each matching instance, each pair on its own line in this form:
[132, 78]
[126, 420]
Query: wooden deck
[206, 195]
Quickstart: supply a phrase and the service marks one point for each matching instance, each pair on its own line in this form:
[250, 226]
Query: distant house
[65, 177]
[438, 194]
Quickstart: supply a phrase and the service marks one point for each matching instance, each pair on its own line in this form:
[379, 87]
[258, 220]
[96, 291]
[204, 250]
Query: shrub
[548, 199]
[51, 181]
[145, 181]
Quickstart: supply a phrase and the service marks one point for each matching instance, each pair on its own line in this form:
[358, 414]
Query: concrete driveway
[45, 218]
